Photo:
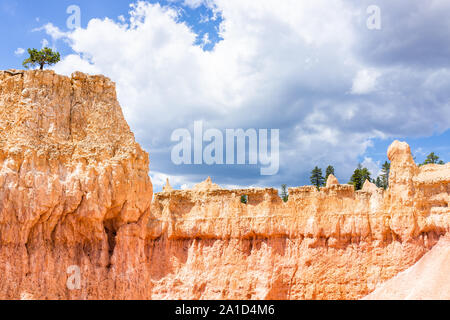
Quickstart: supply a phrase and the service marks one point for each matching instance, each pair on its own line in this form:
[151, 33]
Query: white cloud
[205, 39]
[419, 151]
[74, 62]
[54, 32]
[193, 3]
[44, 43]
[279, 65]
[373, 166]
[365, 81]
[19, 51]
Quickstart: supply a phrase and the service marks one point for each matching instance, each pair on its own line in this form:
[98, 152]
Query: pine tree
[385, 170]
[365, 176]
[46, 56]
[284, 193]
[432, 158]
[360, 176]
[355, 180]
[379, 182]
[329, 172]
[317, 178]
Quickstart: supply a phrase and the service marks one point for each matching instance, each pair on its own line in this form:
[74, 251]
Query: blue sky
[338, 91]
[21, 17]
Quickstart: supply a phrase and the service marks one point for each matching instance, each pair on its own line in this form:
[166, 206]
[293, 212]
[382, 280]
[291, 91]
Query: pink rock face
[428, 279]
[77, 219]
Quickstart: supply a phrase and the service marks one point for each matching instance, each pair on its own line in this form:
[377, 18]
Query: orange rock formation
[75, 191]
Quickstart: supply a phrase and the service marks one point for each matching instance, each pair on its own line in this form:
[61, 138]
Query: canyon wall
[75, 193]
[329, 244]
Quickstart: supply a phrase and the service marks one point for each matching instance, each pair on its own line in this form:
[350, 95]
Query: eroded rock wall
[329, 244]
[74, 189]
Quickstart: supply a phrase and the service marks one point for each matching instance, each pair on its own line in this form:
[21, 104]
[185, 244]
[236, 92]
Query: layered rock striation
[75, 193]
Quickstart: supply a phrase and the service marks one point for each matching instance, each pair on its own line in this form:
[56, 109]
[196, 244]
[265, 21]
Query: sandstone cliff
[75, 191]
[329, 244]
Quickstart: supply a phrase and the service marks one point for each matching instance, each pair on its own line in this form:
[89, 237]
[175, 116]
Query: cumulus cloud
[414, 33]
[19, 51]
[205, 39]
[74, 62]
[311, 69]
[193, 3]
[54, 32]
[44, 43]
[365, 81]
[419, 152]
[373, 166]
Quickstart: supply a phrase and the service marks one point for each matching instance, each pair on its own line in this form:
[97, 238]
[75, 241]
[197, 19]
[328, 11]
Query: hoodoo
[75, 195]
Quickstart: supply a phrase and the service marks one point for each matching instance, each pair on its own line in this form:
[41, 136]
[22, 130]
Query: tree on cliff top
[386, 169]
[359, 177]
[284, 193]
[317, 178]
[46, 56]
[433, 159]
[329, 172]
